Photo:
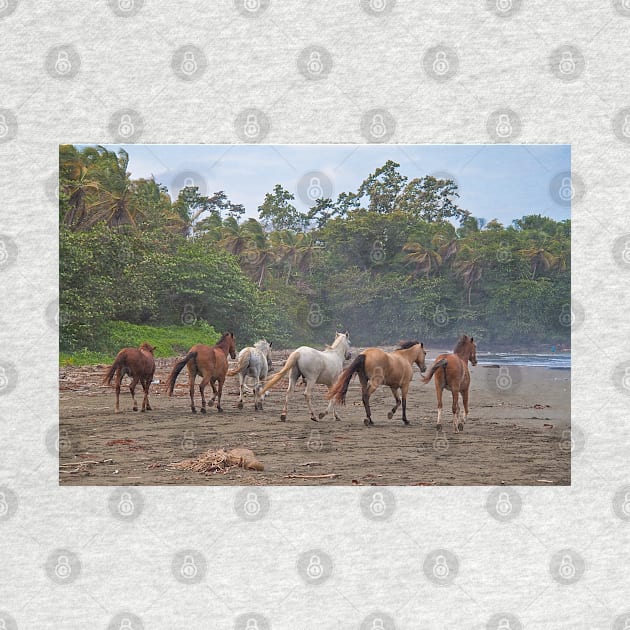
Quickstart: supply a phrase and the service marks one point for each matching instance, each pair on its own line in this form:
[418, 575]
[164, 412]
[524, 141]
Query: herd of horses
[373, 366]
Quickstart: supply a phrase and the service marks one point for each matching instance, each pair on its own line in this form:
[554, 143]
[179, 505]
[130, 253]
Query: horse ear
[471, 339]
[421, 344]
[270, 344]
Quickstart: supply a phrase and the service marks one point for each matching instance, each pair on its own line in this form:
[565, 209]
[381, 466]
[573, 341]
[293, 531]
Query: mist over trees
[396, 258]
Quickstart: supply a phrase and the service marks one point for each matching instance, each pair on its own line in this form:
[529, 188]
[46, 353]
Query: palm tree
[469, 266]
[235, 236]
[259, 254]
[427, 260]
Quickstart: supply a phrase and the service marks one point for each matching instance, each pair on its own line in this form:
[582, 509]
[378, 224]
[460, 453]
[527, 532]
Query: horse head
[343, 338]
[231, 344]
[265, 347]
[473, 352]
[420, 359]
[466, 349]
[147, 346]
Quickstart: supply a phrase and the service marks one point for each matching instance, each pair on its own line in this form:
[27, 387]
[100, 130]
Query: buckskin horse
[211, 363]
[139, 364]
[451, 372]
[376, 367]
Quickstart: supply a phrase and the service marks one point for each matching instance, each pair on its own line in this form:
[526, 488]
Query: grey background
[122, 568]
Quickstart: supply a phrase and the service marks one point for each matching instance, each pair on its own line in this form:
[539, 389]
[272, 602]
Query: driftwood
[220, 460]
[298, 476]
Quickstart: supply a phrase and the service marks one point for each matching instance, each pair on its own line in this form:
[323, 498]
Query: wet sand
[518, 433]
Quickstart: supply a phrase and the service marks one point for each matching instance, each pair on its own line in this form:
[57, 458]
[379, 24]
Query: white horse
[316, 367]
[255, 362]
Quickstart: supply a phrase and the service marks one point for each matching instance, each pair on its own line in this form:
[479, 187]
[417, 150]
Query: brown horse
[451, 372]
[376, 367]
[139, 364]
[211, 364]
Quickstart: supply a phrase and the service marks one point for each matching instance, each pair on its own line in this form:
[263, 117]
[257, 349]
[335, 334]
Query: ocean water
[559, 360]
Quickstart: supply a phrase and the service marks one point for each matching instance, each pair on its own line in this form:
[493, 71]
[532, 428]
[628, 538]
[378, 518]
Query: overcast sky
[495, 181]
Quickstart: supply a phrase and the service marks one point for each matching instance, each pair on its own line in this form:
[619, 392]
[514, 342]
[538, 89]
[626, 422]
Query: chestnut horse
[211, 364]
[139, 364]
[376, 367]
[451, 372]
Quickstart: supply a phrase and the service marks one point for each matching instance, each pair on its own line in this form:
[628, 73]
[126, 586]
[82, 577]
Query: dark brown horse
[211, 364]
[139, 364]
[376, 367]
[451, 372]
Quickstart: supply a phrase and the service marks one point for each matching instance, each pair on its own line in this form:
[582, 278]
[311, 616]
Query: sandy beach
[518, 434]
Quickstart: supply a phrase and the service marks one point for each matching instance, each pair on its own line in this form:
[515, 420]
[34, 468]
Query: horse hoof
[366, 422]
[203, 410]
[390, 415]
[135, 408]
[313, 418]
[283, 417]
[193, 410]
[321, 414]
[438, 427]
[406, 423]
[240, 405]
[220, 409]
[460, 426]
[142, 410]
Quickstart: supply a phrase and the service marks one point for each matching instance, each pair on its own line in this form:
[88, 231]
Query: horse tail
[177, 368]
[118, 363]
[242, 362]
[339, 390]
[290, 364]
[434, 368]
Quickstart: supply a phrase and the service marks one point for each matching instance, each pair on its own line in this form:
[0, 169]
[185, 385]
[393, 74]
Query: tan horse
[211, 363]
[376, 367]
[451, 372]
[139, 364]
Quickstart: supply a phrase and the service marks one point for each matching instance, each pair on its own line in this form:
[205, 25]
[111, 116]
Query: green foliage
[386, 262]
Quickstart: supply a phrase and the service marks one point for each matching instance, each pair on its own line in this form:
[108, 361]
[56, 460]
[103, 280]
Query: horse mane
[463, 341]
[223, 336]
[147, 346]
[404, 345]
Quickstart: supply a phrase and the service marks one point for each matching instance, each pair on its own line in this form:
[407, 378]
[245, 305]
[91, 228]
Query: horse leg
[307, 394]
[465, 403]
[219, 392]
[390, 415]
[365, 397]
[455, 393]
[258, 398]
[202, 387]
[132, 389]
[241, 380]
[330, 408]
[145, 401]
[404, 390]
[292, 380]
[118, 381]
[191, 381]
[438, 393]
